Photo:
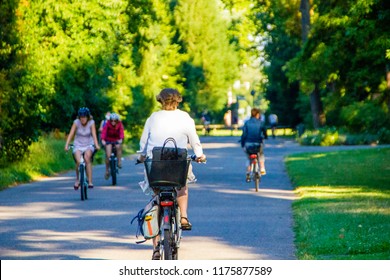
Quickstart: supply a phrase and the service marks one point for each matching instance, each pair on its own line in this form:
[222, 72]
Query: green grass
[343, 210]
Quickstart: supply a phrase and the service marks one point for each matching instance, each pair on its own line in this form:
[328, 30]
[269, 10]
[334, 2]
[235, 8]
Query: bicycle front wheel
[83, 191]
[113, 166]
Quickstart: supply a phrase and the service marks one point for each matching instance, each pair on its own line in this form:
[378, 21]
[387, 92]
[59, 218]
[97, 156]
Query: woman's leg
[119, 154]
[262, 160]
[108, 154]
[182, 200]
[76, 156]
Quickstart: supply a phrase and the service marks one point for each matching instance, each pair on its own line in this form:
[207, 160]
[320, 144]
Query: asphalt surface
[46, 220]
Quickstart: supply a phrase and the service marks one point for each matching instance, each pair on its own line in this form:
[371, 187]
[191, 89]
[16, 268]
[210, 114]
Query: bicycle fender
[167, 218]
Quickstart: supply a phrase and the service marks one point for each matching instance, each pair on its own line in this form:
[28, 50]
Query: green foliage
[34, 165]
[333, 136]
[212, 63]
[364, 117]
[345, 38]
[20, 109]
[116, 55]
[279, 26]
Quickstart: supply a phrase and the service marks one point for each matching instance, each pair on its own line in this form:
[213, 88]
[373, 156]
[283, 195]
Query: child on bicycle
[253, 133]
[113, 132]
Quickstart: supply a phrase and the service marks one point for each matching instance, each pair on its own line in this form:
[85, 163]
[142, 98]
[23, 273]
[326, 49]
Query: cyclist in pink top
[84, 132]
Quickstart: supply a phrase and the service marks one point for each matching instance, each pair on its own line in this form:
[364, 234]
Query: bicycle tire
[82, 181]
[113, 167]
[85, 189]
[167, 244]
[177, 234]
[256, 175]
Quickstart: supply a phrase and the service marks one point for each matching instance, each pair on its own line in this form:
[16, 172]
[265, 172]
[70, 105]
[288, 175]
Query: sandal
[156, 254]
[187, 225]
[76, 186]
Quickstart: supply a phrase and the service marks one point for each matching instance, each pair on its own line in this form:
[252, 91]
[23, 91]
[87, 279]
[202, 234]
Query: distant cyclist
[273, 120]
[253, 133]
[84, 132]
[102, 124]
[113, 132]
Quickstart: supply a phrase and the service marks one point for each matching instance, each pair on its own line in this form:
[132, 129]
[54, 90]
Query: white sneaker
[191, 180]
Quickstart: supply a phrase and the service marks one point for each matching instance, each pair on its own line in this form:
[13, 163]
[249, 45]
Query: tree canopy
[57, 56]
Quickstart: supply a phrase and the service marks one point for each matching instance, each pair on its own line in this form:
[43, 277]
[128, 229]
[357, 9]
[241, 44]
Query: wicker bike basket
[167, 172]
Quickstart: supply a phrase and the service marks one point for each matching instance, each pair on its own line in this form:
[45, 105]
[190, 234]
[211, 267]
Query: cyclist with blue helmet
[83, 131]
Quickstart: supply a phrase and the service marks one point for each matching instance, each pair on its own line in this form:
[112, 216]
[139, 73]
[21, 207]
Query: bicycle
[165, 177]
[113, 162]
[83, 175]
[255, 174]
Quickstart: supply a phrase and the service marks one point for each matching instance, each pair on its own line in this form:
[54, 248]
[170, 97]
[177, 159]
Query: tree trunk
[317, 108]
[305, 14]
[315, 98]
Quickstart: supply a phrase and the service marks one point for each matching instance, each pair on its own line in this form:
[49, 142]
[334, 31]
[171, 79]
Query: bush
[364, 117]
[331, 137]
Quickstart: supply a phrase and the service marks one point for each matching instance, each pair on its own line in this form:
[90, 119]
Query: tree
[211, 65]
[20, 111]
[279, 25]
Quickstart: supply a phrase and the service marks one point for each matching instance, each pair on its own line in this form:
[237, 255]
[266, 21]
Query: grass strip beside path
[343, 210]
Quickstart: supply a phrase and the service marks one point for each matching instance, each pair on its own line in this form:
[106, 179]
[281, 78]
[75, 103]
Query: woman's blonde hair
[169, 98]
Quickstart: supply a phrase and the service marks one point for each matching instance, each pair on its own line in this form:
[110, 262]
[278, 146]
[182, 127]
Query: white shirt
[164, 124]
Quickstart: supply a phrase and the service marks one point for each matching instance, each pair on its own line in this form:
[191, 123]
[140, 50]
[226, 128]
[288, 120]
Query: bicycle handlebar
[112, 142]
[192, 157]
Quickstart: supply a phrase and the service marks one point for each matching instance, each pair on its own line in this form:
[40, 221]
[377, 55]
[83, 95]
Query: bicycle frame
[83, 178]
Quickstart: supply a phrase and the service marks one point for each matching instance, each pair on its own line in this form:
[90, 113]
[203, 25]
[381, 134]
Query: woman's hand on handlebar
[201, 159]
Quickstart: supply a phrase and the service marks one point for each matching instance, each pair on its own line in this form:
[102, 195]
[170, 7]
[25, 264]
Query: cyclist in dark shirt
[253, 133]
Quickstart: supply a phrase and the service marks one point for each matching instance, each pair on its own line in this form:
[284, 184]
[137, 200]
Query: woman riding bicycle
[83, 131]
[171, 122]
[253, 133]
[113, 134]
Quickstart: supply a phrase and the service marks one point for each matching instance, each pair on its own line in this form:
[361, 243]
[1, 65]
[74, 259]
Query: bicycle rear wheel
[256, 175]
[168, 244]
[113, 167]
[82, 182]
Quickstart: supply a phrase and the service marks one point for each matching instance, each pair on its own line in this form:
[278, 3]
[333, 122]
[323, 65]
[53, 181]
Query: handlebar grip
[193, 157]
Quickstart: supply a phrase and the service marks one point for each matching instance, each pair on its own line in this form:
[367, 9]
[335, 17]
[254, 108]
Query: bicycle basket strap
[169, 153]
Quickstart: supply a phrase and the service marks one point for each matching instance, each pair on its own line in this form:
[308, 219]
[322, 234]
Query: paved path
[47, 220]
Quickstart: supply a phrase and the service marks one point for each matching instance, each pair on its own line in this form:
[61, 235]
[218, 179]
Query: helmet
[84, 112]
[114, 116]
